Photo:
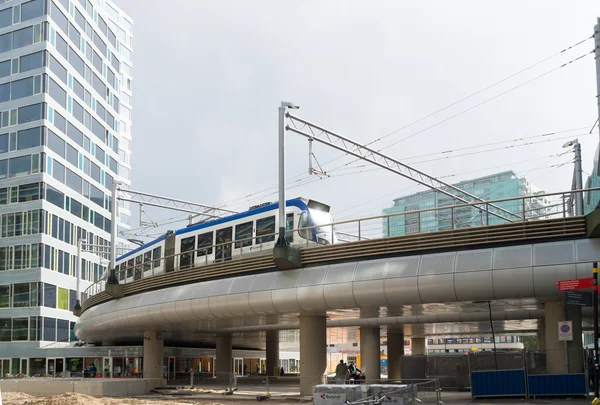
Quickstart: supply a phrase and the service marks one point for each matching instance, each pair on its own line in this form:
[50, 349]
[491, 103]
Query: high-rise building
[591, 199]
[493, 187]
[65, 139]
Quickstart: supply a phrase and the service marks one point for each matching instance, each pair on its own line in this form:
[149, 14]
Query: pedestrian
[591, 372]
[341, 371]
[281, 372]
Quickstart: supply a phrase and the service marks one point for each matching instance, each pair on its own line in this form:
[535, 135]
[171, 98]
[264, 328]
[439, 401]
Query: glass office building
[493, 187]
[65, 139]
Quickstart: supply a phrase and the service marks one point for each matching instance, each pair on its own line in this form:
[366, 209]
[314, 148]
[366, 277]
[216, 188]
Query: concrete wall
[93, 387]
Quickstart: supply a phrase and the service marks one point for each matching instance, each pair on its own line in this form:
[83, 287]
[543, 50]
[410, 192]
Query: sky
[210, 75]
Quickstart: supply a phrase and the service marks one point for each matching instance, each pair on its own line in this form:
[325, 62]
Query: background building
[592, 198]
[65, 138]
[493, 187]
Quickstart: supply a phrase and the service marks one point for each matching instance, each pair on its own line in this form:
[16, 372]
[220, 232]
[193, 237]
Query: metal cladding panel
[401, 290]
[501, 383]
[473, 285]
[557, 384]
[285, 300]
[339, 295]
[368, 293]
[287, 279]
[241, 284]
[403, 266]
[439, 263]
[340, 273]
[221, 287]
[229, 305]
[183, 292]
[311, 298]
[511, 257]
[153, 297]
[587, 250]
[371, 270]
[474, 260]
[554, 253]
[260, 302]
[312, 276]
[184, 310]
[263, 282]
[438, 288]
[513, 283]
[167, 310]
[546, 277]
[584, 270]
[200, 308]
[155, 313]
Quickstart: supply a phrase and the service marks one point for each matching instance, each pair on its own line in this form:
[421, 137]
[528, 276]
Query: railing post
[564, 207]
[359, 230]
[487, 214]
[523, 205]
[388, 227]
[452, 216]
[419, 222]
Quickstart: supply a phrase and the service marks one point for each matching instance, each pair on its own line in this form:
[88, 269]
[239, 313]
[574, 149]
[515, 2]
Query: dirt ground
[16, 398]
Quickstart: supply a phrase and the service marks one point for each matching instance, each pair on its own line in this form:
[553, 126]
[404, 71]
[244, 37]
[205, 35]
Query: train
[248, 233]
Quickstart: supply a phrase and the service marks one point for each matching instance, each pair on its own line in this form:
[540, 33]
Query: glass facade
[493, 187]
[65, 139]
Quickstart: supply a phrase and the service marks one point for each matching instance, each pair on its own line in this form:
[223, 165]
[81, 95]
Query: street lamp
[492, 327]
[577, 174]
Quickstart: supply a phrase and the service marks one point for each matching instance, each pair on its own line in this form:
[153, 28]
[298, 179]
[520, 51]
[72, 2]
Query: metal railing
[424, 221]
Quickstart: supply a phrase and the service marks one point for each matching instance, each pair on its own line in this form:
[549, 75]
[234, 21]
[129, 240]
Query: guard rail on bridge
[541, 219]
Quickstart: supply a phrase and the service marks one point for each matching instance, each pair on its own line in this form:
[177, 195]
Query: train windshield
[322, 221]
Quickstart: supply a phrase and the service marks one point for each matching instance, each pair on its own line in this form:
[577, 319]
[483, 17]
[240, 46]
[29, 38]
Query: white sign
[565, 330]
[322, 398]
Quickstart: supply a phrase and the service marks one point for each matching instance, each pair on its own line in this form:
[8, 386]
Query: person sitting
[352, 368]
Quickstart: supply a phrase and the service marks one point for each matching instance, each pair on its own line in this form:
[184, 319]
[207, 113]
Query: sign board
[565, 330]
[580, 298]
[577, 284]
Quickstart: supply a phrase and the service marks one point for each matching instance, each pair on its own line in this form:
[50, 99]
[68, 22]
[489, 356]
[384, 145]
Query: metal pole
[282, 240]
[597, 56]
[595, 305]
[113, 227]
[566, 347]
[78, 270]
[578, 179]
[493, 334]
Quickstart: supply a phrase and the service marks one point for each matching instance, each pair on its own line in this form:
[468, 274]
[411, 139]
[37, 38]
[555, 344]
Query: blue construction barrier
[498, 383]
[557, 385]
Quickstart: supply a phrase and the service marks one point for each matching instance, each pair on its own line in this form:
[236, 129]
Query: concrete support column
[395, 349]
[153, 355]
[541, 334]
[224, 361]
[417, 346]
[370, 346]
[556, 360]
[313, 352]
[272, 352]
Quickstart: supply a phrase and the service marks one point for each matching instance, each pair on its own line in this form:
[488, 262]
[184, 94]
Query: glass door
[24, 366]
[171, 369]
[60, 365]
[4, 367]
[50, 366]
[238, 366]
[107, 367]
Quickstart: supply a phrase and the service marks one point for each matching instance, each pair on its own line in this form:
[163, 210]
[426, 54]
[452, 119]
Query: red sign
[577, 284]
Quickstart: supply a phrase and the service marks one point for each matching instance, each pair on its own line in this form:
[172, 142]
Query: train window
[147, 261]
[137, 275]
[187, 245]
[156, 257]
[205, 241]
[303, 223]
[289, 225]
[265, 226]
[223, 251]
[122, 271]
[130, 264]
[243, 231]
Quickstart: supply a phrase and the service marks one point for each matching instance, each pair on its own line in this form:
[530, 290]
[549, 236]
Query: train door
[186, 260]
[170, 252]
[223, 249]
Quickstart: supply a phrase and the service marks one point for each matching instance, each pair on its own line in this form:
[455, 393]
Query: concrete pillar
[370, 346]
[395, 349]
[555, 350]
[153, 355]
[313, 352]
[417, 345]
[224, 360]
[272, 352]
[541, 334]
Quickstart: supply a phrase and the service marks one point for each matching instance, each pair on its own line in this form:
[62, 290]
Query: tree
[530, 342]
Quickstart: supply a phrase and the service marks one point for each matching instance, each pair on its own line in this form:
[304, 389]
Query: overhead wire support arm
[322, 135]
[153, 200]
